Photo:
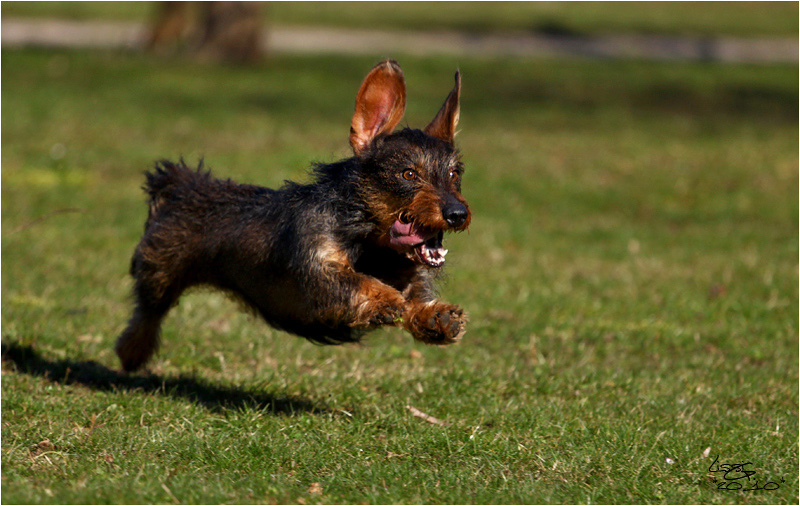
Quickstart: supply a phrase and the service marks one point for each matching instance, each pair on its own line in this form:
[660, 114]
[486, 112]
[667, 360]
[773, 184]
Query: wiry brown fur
[318, 259]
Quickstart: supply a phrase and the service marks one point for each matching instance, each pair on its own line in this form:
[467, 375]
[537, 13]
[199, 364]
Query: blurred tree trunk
[231, 32]
[171, 27]
[220, 31]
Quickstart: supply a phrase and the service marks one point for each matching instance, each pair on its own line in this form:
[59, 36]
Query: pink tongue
[401, 234]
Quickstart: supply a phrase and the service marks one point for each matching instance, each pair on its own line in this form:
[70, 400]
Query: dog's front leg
[374, 303]
[354, 299]
[428, 319]
[343, 297]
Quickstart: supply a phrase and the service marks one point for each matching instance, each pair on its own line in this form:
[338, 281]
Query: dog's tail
[167, 175]
[165, 178]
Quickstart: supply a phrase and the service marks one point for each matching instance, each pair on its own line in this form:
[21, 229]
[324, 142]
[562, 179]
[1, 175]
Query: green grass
[631, 273]
[685, 18]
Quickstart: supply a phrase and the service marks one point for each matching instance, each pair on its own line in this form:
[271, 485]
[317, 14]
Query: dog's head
[411, 178]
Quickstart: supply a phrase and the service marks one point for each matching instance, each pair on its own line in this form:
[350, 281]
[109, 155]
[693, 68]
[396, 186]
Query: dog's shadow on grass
[99, 377]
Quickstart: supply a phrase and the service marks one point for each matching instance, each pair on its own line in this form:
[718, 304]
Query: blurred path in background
[101, 34]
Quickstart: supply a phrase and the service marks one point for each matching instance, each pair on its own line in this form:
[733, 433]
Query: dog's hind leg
[155, 294]
[139, 340]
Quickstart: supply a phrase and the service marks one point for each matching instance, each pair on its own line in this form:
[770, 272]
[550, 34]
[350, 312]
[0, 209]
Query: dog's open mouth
[419, 244]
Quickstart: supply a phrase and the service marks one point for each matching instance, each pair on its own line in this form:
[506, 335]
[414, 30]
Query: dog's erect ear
[444, 124]
[380, 104]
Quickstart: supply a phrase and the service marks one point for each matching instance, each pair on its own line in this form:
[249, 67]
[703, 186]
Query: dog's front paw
[388, 313]
[437, 323]
[384, 308]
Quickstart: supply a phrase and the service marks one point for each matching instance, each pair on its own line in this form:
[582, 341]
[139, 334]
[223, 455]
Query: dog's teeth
[432, 256]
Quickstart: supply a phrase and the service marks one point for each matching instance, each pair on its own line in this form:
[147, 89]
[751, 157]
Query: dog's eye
[455, 173]
[409, 175]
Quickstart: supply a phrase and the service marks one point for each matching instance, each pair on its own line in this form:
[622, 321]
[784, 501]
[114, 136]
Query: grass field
[631, 273]
[685, 18]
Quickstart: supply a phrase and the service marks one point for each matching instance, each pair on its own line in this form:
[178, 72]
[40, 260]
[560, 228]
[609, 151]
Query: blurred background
[631, 267]
[246, 31]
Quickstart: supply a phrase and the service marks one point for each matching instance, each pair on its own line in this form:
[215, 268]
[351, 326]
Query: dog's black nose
[455, 214]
